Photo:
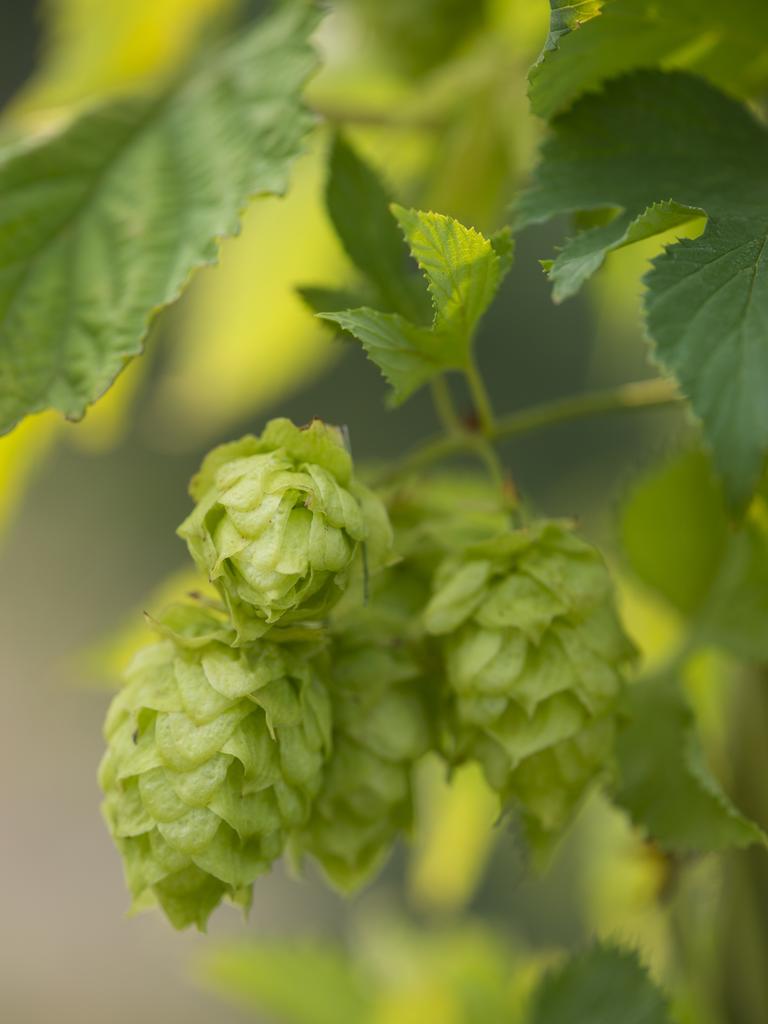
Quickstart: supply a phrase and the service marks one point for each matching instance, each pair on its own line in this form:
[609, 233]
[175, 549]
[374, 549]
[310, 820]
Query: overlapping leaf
[463, 271]
[724, 42]
[654, 150]
[102, 225]
[606, 985]
[358, 203]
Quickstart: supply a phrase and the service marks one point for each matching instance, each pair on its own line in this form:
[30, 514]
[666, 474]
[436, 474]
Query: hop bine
[214, 755]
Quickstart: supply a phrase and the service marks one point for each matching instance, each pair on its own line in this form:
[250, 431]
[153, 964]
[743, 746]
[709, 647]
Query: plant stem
[641, 394]
[480, 398]
[644, 394]
[485, 451]
[444, 407]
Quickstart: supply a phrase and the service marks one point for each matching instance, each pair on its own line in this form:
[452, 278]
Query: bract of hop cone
[280, 522]
[533, 655]
[214, 755]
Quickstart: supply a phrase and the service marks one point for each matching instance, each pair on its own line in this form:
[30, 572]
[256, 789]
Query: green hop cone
[279, 522]
[214, 755]
[533, 655]
[380, 700]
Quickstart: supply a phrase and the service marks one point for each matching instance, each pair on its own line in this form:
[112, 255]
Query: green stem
[485, 451]
[480, 398]
[641, 394]
[644, 394]
[444, 407]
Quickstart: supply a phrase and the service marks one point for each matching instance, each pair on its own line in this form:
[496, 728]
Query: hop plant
[533, 655]
[279, 522]
[380, 697]
[214, 755]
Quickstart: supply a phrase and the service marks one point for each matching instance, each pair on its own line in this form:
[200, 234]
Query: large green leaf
[463, 271]
[102, 225]
[299, 983]
[605, 985]
[677, 539]
[725, 42]
[664, 783]
[656, 149]
[674, 530]
[736, 614]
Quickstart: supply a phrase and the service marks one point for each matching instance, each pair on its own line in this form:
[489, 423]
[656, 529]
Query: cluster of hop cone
[353, 633]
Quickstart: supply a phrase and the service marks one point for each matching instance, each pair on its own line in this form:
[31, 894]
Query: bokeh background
[89, 511]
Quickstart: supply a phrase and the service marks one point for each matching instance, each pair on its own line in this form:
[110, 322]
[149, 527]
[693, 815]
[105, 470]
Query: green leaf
[584, 254]
[462, 268]
[358, 205]
[724, 42]
[671, 139]
[677, 539]
[102, 225]
[407, 355]
[736, 615]
[326, 300]
[463, 271]
[605, 985]
[674, 530]
[305, 983]
[664, 783]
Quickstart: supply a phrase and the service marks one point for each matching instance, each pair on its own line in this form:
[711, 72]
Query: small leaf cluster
[355, 631]
[416, 333]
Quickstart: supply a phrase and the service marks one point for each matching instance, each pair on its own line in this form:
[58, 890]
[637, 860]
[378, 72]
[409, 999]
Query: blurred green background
[89, 510]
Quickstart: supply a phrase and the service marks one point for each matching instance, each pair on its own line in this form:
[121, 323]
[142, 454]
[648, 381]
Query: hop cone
[214, 754]
[381, 727]
[278, 523]
[533, 655]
